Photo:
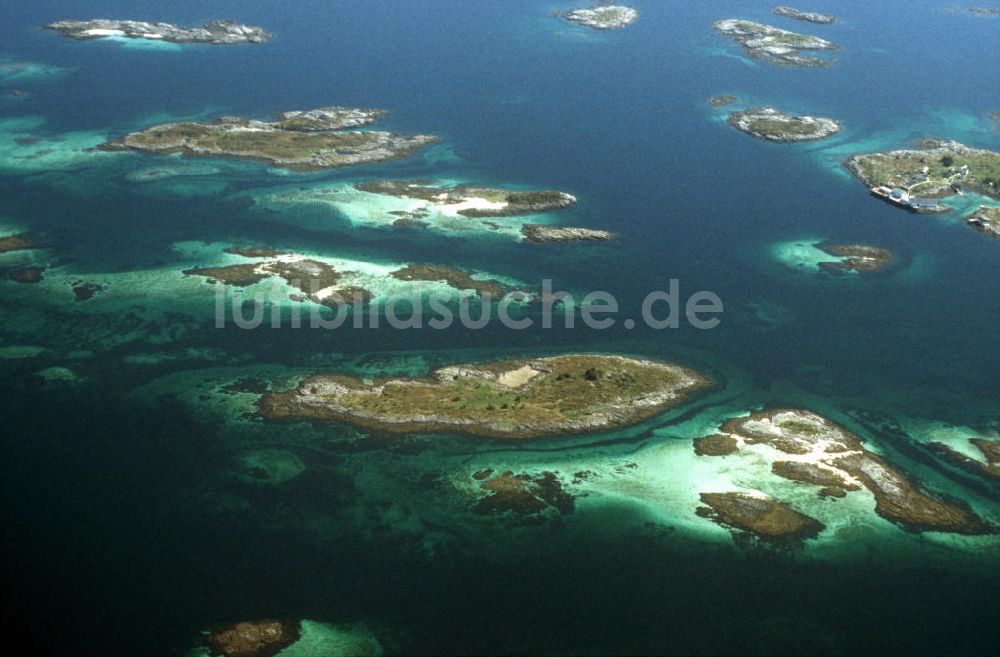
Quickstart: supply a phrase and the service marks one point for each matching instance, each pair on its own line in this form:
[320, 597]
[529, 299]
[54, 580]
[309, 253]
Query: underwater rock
[269, 466]
[254, 251]
[300, 141]
[717, 445]
[523, 494]
[28, 275]
[219, 32]
[774, 45]
[236, 275]
[772, 125]
[990, 450]
[85, 291]
[517, 400]
[20, 242]
[761, 516]
[263, 638]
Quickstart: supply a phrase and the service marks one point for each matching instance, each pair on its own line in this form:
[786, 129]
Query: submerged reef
[936, 170]
[473, 201]
[299, 140]
[607, 17]
[517, 400]
[19, 242]
[986, 219]
[760, 516]
[773, 125]
[817, 452]
[522, 494]
[774, 45]
[808, 16]
[220, 32]
[855, 257]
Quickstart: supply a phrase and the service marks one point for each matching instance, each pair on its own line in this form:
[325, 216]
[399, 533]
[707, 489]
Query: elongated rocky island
[773, 125]
[219, 32]
[816, 452]
[774, 45]
[986, 220]
[299, 140]
[759, 515]
[515, 400]
[607, 17]
[543, 233]
[913, 178]
[808, 16]
[472, 200]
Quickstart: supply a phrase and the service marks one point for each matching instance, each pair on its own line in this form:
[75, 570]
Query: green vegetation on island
[472, 200]
[986, 220]
[772, 125]
[774, 45]
[606, 17]
[522, 399]
[300, 140]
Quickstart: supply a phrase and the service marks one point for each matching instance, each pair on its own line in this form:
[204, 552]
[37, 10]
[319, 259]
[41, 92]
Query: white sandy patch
[519, 377]
[97, 31]
[454, 209]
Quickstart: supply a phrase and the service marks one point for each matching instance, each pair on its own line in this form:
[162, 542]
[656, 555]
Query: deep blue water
[103, 558]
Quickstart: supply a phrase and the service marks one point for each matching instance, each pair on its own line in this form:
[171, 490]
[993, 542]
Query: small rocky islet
[817, 452]
[986, 219]
[217, 32]
[807, 16]
[861, 258]
[512, 400]
[774, 45]
[602, 17]
[471, 200]
[771, 124]
[309, 140]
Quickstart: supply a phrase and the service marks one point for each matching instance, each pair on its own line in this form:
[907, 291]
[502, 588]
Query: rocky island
[514, 400]
[607, 17]
[219, 32]
[861, 258]
[759, 515]
[722, 101]
[986, 220]
[300, 140]
[542, 234]
[472, 200]
[817, 452]
[456, 278]
[808, 16]
[774, 45]
[772, 125]
[913, 178]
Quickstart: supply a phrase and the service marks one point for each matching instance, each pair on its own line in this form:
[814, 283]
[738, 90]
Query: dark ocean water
[107, 554]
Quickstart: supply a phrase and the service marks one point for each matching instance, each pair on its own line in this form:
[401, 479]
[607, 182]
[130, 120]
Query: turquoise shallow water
[127, 523]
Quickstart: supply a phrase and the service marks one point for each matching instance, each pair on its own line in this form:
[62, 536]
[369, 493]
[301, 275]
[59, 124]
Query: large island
[217, 32]
[299, 140]
[913, 178]
[516, 400]
[774, 45]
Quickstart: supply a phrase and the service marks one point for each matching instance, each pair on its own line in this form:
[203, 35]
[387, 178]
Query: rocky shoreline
[808, 16]
[513, 400]
[607, 17]
[986, 220]
[772, 125]
[774, 45]
[309, 140]
[218, 32]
